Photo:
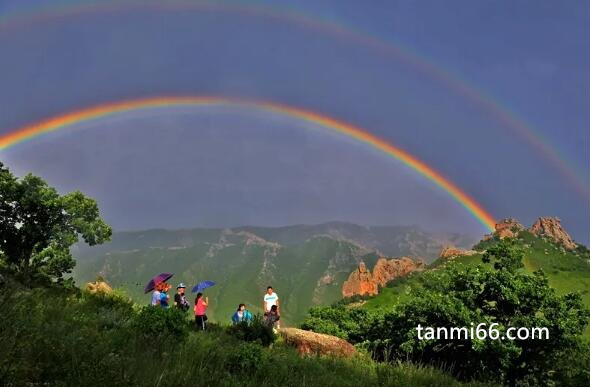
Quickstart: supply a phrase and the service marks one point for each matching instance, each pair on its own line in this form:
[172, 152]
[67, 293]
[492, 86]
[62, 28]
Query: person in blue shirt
[241, 315]
[164, 295]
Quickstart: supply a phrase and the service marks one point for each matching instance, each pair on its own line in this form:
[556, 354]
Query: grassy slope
[64, 339]
[238, 271]
[567, 272]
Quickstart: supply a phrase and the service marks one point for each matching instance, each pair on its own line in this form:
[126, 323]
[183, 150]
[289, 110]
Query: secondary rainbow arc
[456, 83]
[61, 121]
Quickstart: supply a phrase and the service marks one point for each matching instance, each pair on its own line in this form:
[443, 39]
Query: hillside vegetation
[501, 284]
[60, 337]
[53, 334]
[567, 271]
[307, 265]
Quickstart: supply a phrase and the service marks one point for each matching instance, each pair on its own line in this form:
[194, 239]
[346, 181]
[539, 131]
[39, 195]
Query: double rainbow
[109, 109]
[55, 10]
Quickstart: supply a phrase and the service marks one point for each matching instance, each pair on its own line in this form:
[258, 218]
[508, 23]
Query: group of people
[271, 305]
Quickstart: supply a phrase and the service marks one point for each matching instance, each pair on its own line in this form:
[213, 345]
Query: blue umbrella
[202, 286]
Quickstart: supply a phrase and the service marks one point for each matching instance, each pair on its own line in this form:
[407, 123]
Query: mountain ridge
[307, 265]
[394, 240]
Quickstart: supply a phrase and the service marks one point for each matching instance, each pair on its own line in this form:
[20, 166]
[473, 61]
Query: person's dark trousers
[200, 322]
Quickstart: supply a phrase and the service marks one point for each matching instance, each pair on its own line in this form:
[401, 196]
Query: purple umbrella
[162, 277]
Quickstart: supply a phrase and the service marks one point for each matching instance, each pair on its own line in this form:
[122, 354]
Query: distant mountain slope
[306, 264]
[387, 240]
[243, 265]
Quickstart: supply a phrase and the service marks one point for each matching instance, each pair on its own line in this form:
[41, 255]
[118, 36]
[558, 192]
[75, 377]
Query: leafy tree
[504, 295]
[38, 226]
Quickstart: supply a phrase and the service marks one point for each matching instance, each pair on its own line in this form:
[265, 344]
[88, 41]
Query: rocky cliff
[508, 228]
[360, 282]
[386, 270]
[546, 227]
[363, 282]
[550, 227]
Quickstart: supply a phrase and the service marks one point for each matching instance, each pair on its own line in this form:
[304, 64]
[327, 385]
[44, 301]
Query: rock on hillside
[386, 270]
[98, 286]
[311, 343]
[362, 282]
[551, 228]
[508, 228]
[547, 227]
[451, 252]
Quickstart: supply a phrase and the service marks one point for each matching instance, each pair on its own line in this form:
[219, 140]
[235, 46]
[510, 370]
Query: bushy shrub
[160, 324]
[583, 251]
[247, 358]
[48, 335]
[505, 295]
[573, 367]
[340, 321]
[254, 331]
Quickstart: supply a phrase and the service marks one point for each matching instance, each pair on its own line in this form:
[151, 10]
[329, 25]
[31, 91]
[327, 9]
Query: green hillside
[61, 337]
[305, 264]
[242, 265]
[568, 271]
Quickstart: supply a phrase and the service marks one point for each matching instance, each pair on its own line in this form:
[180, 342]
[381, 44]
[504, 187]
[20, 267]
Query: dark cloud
[183, 167]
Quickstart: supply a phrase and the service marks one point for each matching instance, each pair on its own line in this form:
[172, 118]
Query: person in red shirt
[201, 305]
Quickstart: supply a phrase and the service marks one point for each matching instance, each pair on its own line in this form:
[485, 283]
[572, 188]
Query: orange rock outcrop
[363, 282]
[311, 343]
[386, 270]
[360, 282]
[508, 228]
[551, 228]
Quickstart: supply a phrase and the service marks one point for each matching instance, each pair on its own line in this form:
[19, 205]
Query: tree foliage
[340, 321]
[504, 295]
[38, 226]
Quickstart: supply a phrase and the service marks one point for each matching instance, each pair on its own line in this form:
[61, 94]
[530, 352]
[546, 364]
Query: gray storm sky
[227, 166]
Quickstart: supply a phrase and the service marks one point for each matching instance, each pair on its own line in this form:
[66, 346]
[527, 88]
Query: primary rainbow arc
[459, 84]
[108, 109]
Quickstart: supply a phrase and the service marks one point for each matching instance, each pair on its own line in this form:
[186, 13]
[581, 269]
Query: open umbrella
[202, 286]
[162, 277]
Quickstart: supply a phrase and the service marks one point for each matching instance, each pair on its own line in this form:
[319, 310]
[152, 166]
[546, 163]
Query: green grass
[60, 338]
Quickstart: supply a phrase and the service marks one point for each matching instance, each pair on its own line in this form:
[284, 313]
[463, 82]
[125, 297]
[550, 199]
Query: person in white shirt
[270, 299]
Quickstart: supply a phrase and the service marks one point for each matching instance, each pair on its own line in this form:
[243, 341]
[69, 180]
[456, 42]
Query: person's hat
[181, 285]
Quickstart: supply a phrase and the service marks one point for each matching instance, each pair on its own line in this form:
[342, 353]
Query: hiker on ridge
[272, 318]
[241, 315]
[164, 297]
[201, 310]
[271, 299]
[180, 300]
[156, 295]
